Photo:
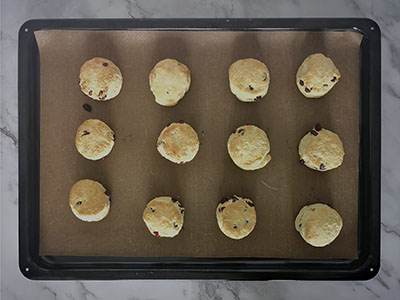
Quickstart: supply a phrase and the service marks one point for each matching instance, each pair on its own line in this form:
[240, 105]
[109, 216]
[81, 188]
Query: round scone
[163, 216]
[169, 81]
[316, 76]
[249, 147]
[89, 200]
[318, 224]
[100, 79]
[249, 79]
[236, 216]
[94, 139]
[178, 142]
[321, 149]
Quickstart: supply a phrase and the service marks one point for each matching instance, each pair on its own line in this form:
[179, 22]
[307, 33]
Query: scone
[249, 147]
[321, 149]
[249, 79]
[89, 200]
[318, 224]
[169, 81]
[100, 79]
[236, 216]
[316, 76]
[163, 216]
[94, 139]
[178, 142]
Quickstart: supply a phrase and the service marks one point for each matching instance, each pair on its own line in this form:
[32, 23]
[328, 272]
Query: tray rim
[38, 267]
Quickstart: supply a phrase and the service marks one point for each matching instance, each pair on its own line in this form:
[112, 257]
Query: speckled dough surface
[100, 79]
[316, 76]
[178, 142]
[321, 149]
[169, 81]
[249, 147]
[249, 79]
[94, 139]
[164, 216]
[318, 224]
[236, 216]
[89, 200]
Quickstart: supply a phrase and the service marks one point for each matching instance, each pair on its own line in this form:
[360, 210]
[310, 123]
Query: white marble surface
[386, 285]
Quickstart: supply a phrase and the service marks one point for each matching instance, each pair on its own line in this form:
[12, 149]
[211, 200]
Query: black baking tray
[34, 266]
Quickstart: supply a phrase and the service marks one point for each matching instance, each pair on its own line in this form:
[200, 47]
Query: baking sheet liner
[135, 173]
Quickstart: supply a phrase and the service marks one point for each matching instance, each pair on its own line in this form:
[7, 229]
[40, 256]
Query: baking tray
[34, 266]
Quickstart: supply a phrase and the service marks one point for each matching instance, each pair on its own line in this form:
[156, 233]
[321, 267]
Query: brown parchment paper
[134, 172]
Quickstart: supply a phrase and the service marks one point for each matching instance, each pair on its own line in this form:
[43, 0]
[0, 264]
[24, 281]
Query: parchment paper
[134, 172]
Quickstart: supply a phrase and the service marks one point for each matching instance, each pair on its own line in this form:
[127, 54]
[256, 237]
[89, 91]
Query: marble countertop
[386, 285]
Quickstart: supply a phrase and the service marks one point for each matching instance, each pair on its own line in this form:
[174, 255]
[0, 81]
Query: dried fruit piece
[251, 204]
[87, 107]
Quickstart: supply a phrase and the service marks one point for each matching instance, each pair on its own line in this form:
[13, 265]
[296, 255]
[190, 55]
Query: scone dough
[236, 216]
[94, 139]
[316, 76]
[100, 79]
[169, 81]
[321, 149]
[178, 142]
[164, 216]
[249, 147]
[249, 79]
[89, 200]
[318, 224]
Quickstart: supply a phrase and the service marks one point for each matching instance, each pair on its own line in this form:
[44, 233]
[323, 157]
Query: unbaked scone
[316, 76]
[100, 79]
[321, 149]
[249, 79]
[249, 147]
[94, 139]
[318, 224]
[89, 200]
[178, 142]
[236, 216]
[169, 81]
[164, 216]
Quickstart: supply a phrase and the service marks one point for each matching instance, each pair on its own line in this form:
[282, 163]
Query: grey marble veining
[386, 285]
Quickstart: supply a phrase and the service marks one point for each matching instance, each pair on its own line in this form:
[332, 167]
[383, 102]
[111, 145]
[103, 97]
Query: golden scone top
[321, 149]
[316, 76]
[164, 216]
[249, 147]
[178, 142]
[236, 216]
[100, 79]
[169, 81]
